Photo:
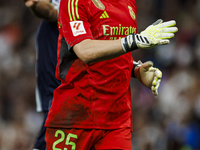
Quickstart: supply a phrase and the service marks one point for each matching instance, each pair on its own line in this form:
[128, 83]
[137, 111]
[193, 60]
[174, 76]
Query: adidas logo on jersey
[104, 15]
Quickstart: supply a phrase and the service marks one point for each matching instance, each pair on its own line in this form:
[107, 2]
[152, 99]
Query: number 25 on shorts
[62, 138]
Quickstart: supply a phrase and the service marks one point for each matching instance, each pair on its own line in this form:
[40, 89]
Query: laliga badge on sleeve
[77, 28]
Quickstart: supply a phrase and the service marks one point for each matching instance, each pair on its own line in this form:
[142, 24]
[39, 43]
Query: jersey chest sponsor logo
[118, 30]
[77, 28]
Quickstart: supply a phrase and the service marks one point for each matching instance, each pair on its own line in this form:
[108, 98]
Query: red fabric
[119, 139]
[96, 95]
[137, 74]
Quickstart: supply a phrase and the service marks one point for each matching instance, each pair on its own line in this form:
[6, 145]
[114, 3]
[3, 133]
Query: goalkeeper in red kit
[91, 109]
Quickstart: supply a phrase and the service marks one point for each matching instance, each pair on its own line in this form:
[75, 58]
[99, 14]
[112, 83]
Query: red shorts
[86, 139]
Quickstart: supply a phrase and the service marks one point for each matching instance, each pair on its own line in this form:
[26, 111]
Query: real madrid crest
[132, 13]
[98, 4]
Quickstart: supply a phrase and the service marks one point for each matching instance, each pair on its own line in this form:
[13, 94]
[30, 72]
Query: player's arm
[159, 33]
[42, 9]
[90, 51]
[147, 75]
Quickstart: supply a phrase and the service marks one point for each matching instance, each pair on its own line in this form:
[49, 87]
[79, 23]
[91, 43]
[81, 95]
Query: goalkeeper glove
[158, 33]
[148, 75]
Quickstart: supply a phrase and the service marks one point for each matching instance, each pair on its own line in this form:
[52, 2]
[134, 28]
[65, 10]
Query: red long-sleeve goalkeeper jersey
[95, 95]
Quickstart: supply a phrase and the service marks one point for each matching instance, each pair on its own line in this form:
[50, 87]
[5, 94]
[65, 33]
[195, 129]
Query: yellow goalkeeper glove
[148, 75]
[158, 33]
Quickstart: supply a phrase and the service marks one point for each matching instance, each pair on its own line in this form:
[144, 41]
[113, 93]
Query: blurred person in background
[46, 45]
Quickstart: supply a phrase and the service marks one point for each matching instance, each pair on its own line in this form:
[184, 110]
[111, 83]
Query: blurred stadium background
[170, 121]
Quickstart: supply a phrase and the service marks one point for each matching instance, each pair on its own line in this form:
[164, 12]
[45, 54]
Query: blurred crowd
[19, 121]
[169, 121]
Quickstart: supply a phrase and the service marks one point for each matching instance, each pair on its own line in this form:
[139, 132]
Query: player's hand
[149, 76]
[158, 33]
[30, 3]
